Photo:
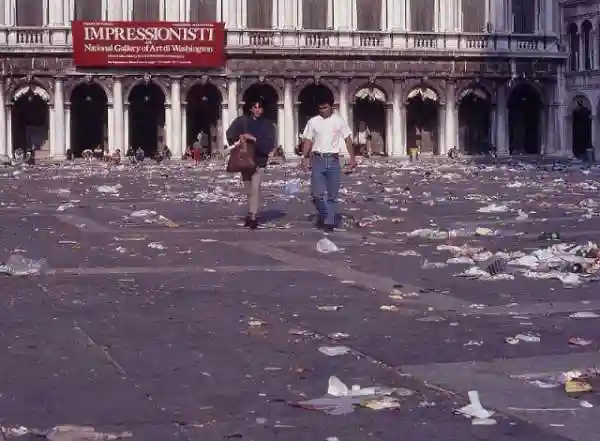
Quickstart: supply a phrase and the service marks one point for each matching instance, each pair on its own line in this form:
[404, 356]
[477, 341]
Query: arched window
[202, 11]
[315, 14]
[524, 16]
[573, 34]
[259, 14]
[422, 15]
[368, 15]
[146, 10]
[90, 10]
[29, 12]
[586, 34]
[473, 15]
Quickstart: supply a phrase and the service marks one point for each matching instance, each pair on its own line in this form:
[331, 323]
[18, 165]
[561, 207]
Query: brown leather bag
[242, 158]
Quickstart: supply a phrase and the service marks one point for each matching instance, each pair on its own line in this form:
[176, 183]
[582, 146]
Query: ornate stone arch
[303, 83]
[189, 83]
[423, 83]
[537, 86]
[578, 100]
[103, 82]
[132, 82]
[386, 86]
[464, 88]
[248, 82]
[38, 86]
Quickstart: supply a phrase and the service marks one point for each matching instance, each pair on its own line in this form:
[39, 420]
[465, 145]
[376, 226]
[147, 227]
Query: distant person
[362, 140]
[325, 137]
[259, 131]
[139, 154]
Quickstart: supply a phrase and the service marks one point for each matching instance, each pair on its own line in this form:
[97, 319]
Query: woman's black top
[262, 129]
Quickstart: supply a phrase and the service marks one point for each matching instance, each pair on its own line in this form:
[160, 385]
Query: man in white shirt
[325, 137]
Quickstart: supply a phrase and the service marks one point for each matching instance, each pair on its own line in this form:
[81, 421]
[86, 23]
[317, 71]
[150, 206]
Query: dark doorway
[422, 121]
[146, 118]
[524, 121]
[89, 118]
[203, 116]
[30, 123]
[310, 97]
[474, 118]
[265, 93]
[582, 131]
[369, 113]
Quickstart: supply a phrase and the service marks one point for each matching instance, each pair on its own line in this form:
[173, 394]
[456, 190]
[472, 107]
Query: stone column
[114, 10]
[9, 131]
[126, 127]
[232, 103]
[344, 106]
[112, 147]
[441, 135]
[57, 147]
[595, 135]
[451, 118]
[239, 11]
[68, 127]
[184, 133]
[224, 124]
[9, 12]
[389, 128]
[281, 128]
[502, 147]
[174, 11]
[398, 145]
[51, 131]
[168, 128]
[342, 14]
[118, 117]
[548, 12]
[56, 12]
[176, 142]
[3, 124]
[290, 126]
[287, 12]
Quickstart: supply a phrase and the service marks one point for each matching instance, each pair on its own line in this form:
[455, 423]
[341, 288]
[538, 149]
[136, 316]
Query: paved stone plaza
[161, 316]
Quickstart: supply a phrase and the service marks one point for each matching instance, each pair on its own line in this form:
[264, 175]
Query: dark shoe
[320, 222]
[252, 224]
[329, 228]
[247, 220]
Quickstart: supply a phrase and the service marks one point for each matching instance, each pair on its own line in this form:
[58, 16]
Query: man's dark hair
[259, 101]
[325, 100]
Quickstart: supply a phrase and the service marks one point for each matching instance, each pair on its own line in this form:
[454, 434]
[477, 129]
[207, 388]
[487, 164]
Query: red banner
[148, 44]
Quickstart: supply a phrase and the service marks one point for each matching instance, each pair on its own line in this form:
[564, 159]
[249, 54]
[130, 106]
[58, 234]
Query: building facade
[428, 73]
[581, 34]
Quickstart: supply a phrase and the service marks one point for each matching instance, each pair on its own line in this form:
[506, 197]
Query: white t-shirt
[327, 134]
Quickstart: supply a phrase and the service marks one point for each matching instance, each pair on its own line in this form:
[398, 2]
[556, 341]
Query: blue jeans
[325, 181]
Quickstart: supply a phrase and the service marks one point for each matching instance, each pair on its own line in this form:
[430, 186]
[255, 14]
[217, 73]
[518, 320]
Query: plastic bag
[325, 246]
[292, 187]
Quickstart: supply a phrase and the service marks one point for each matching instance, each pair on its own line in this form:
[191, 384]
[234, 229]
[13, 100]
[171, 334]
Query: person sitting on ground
[99, 152]
[70, 156]
[116, 157]
[167, 152]
[453, 153]
[139, 154]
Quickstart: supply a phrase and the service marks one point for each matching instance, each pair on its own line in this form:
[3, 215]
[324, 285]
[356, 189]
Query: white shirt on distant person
[327, 134]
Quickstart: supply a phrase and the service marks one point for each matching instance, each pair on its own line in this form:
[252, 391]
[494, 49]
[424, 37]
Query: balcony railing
[58, 39]
[386, 42]
[35, 39]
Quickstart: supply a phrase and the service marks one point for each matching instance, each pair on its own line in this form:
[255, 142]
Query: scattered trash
[475, 410]
[18, 265]
[341, 399]
[67, 433]
[333, 351]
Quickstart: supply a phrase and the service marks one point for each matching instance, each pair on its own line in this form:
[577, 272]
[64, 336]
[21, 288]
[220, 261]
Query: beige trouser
[252, 182]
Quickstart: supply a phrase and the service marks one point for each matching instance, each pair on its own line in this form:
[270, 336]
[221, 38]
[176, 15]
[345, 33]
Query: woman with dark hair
[260, 132]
